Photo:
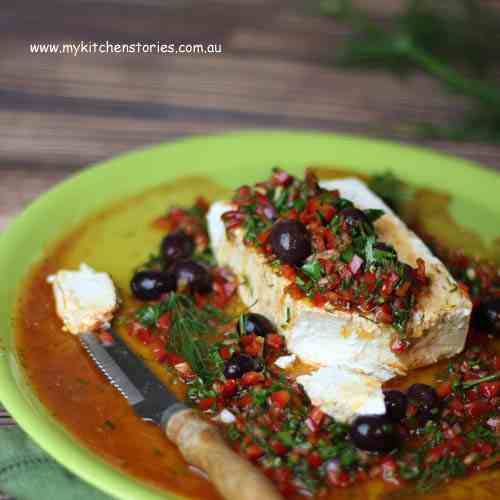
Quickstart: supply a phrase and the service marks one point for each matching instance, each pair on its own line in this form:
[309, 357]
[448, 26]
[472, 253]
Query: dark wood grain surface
[60, 113]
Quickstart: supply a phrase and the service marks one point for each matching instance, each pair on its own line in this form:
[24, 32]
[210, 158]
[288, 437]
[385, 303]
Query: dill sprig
[453, 41]
[191, 329]
[471, 383]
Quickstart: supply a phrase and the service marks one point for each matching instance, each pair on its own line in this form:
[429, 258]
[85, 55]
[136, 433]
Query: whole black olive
[374, 433]
[192, 276]
[487, 315]
[150, 285]
[256, 324]
[395, 404]
[240, 364]
[354, 217]
[425, 398]
[176, 246]
[290, 241]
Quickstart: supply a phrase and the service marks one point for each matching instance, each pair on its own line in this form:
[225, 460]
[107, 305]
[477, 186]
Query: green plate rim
[239, 152]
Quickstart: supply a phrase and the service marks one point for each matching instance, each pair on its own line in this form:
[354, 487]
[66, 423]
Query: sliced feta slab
[348, 341]
[85, 299]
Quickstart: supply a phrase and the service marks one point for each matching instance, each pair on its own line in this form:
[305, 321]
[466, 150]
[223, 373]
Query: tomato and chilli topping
[327, 248]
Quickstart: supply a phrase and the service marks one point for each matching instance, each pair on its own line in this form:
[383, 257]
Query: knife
[198, 440]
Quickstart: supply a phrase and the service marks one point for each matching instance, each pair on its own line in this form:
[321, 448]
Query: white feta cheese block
[85, 299]
[342, 341]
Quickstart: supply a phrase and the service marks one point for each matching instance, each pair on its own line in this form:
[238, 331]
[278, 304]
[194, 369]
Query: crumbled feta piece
[348, 349]
[343, 392]
[226, 417]
[285, 361]
[85, 299]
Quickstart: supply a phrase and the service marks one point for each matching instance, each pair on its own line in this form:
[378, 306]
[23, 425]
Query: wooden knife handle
[202, 445]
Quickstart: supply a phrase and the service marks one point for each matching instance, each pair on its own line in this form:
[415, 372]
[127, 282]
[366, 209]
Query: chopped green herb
[299, 204]
[347, 255]
[286, 438]
[150, 314]
[447, 467]
[313, 269]
[369, 250]
[373, 214]
[233, 433]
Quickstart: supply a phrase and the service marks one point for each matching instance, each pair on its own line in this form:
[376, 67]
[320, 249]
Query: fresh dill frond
[190, 331]
[453, 41]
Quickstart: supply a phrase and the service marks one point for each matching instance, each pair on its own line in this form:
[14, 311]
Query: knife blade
[149, 398]
[198, 440]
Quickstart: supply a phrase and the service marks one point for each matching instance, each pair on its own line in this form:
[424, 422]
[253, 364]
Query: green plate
[229, 159]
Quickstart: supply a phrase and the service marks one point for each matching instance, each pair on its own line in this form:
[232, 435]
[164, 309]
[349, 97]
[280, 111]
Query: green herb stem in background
[457, 42]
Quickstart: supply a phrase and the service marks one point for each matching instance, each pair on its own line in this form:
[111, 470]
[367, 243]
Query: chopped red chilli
[349, 267]
[191, 220]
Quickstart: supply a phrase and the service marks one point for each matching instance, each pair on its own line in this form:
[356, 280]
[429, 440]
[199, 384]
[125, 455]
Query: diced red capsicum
[280, 398]
[478, 408]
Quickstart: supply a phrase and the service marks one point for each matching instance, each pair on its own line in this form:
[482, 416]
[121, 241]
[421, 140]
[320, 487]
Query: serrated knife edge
[110, 368]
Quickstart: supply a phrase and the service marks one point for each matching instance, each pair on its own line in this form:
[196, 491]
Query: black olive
[425, 398]
[150, 285]
[374, 433]
[290, 241]
[176, 246]
[487, 315]
[395, 404]
[192, 276]
[240, 364]
[355, 217]
[255, 323]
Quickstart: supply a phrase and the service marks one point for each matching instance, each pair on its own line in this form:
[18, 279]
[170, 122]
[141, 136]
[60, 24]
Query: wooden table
[59, 113]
